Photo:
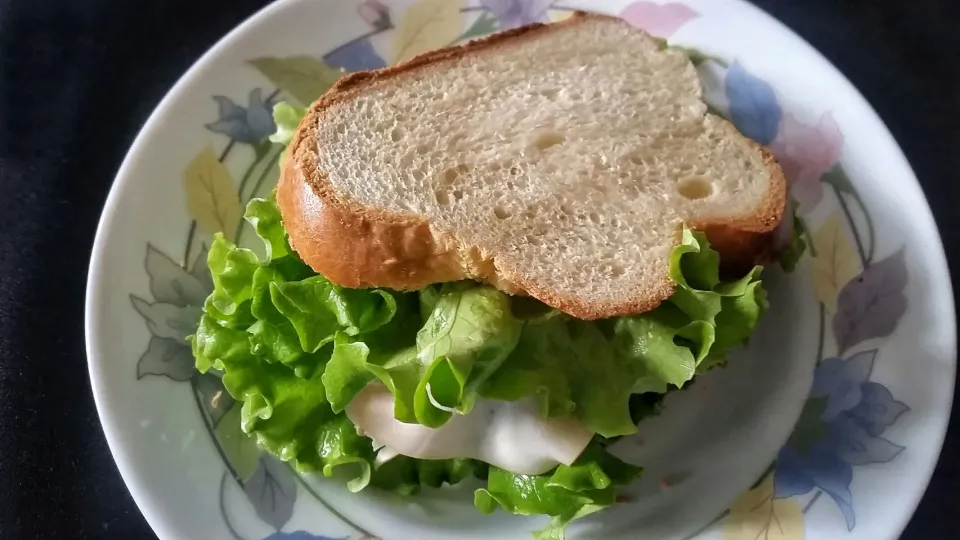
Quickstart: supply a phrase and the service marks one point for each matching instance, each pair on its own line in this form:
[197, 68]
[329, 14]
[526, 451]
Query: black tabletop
[77, 80]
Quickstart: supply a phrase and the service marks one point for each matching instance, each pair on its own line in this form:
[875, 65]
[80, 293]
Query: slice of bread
[554, 160]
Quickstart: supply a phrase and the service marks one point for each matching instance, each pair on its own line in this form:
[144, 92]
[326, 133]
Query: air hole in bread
[443, 199]
[396, 135]
[549, 93]
[457, 194]
[501, 213]
[450, 175]
[594, 217]
[694, 188]
[515, 171]
[617, 271]
[638, 159]
[566, 209]
[533, 240]
[549, 138]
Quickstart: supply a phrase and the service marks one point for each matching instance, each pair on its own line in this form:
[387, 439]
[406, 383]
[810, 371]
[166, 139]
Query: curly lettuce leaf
[287, 118]
[466, 338]
[592, 369]
[270, 327]
[567, 493]
[318, 309]
[791, 254]
[231, 269]
[265, 218]
[408, 476]
[469, 333]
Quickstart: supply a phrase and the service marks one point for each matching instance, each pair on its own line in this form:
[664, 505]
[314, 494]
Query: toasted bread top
[553, 160]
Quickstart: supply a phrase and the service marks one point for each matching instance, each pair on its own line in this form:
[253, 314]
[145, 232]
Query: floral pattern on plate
[861, 298]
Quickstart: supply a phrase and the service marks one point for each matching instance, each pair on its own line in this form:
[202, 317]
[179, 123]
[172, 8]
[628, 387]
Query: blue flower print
[355, 56]
[840, 427]
[753, 105]
[247, 125]
[514, 13]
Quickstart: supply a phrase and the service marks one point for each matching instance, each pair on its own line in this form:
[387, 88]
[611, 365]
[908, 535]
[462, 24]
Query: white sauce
[509, 435]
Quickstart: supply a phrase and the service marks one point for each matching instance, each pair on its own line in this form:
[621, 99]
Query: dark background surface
[78, 79]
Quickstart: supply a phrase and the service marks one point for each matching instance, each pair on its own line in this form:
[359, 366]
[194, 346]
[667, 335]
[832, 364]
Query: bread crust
[357, 246]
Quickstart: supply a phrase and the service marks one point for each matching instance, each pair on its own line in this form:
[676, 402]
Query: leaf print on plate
[211, 197]
[557, 15]
[514, 13]
[427, 25]
[871, 305]
[238, 447]
[167, 358]
[201, 271]
[758, 514]
[660, 20]
[357, 55]
[167, 320]
[376, 14]
[171, 283]
[303, 77]
[272, 490]
[835, 262]
[806, 153]
[839, 428]
[178, 293]
[484, 25]
[214, 398]
[248, 125]
[838, 179]
[753, 105]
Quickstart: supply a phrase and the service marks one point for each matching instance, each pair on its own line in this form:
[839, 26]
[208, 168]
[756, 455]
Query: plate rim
[923, 482]
[151, 505]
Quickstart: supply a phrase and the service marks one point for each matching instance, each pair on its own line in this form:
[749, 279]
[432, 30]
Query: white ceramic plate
[859, 345]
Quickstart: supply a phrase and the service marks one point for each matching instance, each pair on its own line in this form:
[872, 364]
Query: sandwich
[491, 262]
